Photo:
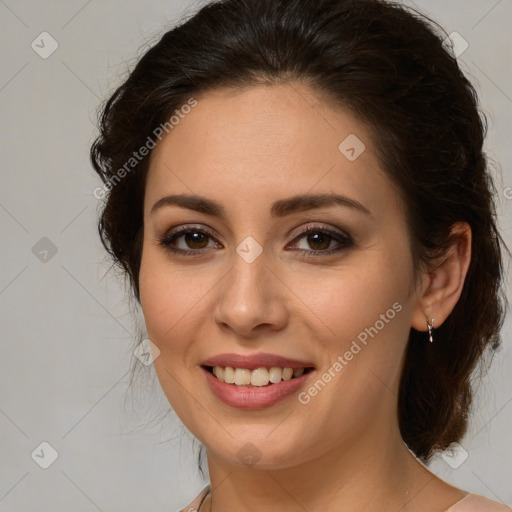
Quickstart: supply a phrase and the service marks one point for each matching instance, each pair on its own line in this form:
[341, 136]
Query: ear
[441, 287]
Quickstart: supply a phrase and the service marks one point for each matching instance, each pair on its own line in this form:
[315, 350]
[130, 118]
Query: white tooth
[298, 372]
[218, 372]
[287, 373]
[229, 375]
[275, 374]
[242, 377]
[259, 377]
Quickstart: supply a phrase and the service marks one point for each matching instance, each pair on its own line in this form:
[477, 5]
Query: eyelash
[343, 239]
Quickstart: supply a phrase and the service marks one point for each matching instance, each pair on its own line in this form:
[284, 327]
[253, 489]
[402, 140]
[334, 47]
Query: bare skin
[246, 149]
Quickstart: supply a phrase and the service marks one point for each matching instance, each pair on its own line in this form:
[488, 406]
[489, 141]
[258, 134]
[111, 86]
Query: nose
[251, 299]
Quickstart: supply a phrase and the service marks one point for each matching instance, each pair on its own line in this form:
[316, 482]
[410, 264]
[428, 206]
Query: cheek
[363, 316]
[172, 299]
[167, 303]
[367, 315]
[353, 297]
[162, 299]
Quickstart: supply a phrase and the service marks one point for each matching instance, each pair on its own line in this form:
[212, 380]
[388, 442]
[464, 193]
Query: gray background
[67, 334]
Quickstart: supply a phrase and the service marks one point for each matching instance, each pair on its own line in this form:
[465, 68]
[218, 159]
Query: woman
[298, 194]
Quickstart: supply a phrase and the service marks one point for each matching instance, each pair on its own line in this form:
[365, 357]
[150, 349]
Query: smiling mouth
[259, 377]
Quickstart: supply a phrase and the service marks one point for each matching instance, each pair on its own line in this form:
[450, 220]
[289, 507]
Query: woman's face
[334, 300]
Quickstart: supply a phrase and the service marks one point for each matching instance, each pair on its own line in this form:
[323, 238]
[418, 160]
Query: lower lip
[254, 397]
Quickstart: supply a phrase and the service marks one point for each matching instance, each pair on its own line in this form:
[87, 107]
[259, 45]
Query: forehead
[267, 142]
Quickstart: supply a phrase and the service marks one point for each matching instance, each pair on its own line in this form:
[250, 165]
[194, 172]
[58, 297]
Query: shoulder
[476, 503]
[195, 504]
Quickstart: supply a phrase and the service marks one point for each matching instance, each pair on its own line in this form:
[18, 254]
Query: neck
[374, 472]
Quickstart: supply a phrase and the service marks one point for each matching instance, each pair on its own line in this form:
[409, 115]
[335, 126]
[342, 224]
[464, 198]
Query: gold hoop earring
[430, 326]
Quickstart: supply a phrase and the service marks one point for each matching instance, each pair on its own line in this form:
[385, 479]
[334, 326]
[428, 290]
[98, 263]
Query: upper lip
[253, 361]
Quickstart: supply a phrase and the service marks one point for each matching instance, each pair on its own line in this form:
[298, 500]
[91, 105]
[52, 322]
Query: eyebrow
[279, 208]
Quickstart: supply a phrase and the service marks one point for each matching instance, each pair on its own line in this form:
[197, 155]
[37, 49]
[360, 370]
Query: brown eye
[195, 240]
[318, 241]
[188, 240]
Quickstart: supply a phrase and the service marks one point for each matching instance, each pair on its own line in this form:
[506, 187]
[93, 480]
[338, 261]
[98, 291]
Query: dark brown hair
[387, 65]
